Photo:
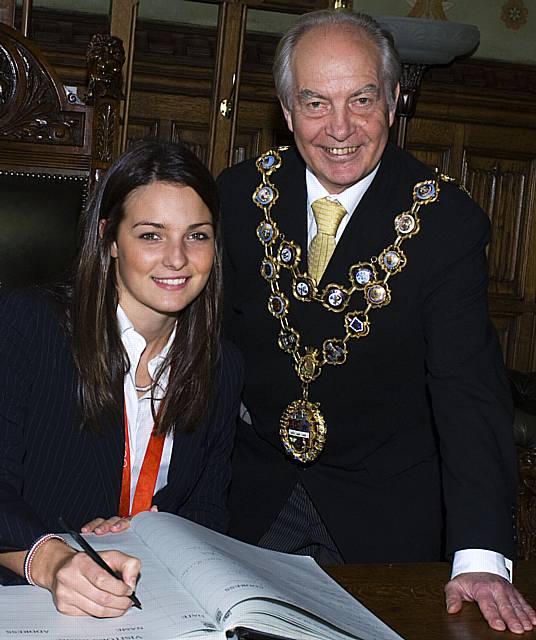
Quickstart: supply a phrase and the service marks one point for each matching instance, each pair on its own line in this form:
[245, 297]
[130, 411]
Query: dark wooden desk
[410, 599]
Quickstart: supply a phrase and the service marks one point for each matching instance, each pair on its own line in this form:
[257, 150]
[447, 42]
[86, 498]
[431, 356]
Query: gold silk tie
[328, 215]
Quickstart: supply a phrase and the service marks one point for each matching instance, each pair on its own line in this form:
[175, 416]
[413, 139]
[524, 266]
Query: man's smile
[340, 151]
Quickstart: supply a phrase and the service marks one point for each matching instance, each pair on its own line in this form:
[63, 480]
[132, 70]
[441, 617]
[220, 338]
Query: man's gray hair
[282, 68]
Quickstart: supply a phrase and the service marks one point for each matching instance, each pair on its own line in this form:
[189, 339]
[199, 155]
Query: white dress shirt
[140, 419]
[465, 560]
[349, 199]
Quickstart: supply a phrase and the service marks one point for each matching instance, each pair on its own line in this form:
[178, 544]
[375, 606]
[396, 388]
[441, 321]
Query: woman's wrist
[44, 558]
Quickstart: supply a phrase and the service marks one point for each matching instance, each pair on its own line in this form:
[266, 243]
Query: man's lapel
[290, 211]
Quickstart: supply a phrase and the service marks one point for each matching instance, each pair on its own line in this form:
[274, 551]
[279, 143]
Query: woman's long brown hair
[98, 352]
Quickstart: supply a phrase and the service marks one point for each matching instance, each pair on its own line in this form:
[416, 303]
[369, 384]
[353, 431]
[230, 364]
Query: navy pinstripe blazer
[50, 465]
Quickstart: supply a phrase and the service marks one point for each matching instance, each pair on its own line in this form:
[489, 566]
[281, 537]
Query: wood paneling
[194, 135]
[143, 128]
[499, 185]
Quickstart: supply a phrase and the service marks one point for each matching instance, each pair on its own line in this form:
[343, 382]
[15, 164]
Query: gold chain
[369, 277]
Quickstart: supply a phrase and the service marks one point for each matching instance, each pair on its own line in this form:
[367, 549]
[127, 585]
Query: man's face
[339, 115]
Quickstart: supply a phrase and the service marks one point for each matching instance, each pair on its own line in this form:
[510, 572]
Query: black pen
[95, 556]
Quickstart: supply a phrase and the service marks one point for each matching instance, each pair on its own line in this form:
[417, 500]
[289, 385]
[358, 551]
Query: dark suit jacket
[50, 465]
[418, 418]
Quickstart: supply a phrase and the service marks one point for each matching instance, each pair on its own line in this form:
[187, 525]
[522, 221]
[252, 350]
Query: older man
[376, 420]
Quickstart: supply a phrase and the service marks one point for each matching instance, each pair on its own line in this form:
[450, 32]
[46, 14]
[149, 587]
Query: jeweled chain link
[369, 277]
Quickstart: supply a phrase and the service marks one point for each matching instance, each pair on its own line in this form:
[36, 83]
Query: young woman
[117, 394]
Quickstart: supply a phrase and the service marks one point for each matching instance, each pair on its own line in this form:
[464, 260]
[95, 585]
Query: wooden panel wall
[475, 120]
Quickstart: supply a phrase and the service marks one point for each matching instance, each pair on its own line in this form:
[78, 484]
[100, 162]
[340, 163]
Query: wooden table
[409, 598]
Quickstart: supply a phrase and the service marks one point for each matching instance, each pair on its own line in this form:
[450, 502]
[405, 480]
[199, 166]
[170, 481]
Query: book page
[221, 572]
[168, 612]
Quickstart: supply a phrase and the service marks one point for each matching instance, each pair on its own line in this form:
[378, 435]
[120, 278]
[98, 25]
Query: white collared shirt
[140, 419]
[465, 560]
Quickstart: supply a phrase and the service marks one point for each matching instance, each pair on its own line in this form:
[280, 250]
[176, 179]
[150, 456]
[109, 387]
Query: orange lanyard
[143, 495]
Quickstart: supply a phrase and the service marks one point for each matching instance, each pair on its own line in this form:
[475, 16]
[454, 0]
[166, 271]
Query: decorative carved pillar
[105, 57]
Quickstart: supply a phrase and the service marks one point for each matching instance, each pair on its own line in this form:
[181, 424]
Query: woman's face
[164, 250]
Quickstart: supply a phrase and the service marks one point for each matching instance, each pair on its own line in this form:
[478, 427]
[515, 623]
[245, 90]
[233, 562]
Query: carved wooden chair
[52, 149]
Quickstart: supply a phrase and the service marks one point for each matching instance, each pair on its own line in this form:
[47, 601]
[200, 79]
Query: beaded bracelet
[31, 553]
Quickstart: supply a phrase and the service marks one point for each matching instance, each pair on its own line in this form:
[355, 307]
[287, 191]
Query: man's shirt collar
[349, 198]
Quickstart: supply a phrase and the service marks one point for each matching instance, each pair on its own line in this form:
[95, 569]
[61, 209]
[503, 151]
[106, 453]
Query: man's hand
[500, 602]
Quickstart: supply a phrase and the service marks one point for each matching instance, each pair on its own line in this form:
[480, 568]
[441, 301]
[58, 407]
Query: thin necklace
[145, 388]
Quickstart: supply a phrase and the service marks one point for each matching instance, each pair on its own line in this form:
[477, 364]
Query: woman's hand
[100, 526]
[79, 586]
[115, 524]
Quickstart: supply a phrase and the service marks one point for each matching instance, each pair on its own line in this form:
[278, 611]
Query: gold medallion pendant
[303, 430]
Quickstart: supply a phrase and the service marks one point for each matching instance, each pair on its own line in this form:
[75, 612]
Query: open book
[196, 583]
